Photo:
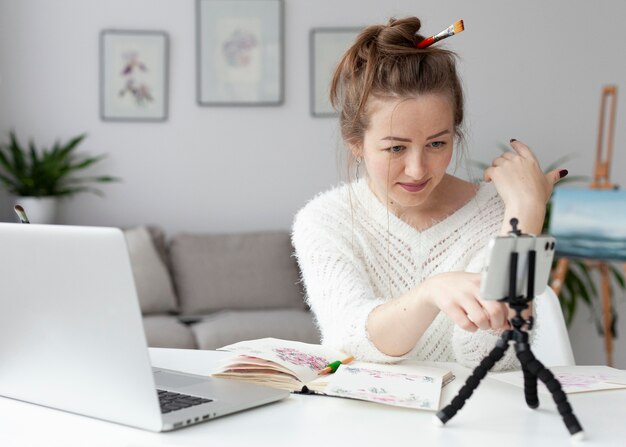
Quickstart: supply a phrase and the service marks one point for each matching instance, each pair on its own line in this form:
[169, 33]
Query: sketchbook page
[304, 360]
[574, 379]
[407, 366]
[398, 385]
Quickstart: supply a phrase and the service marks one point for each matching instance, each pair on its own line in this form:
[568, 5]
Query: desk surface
[495, 415]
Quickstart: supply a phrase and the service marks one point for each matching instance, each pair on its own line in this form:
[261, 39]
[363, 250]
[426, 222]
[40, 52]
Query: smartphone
[494, 284]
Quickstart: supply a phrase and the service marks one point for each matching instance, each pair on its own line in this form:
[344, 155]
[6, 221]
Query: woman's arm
[523, 187]
[395, 327]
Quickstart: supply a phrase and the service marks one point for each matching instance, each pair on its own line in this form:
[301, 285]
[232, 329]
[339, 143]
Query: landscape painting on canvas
[589, 223]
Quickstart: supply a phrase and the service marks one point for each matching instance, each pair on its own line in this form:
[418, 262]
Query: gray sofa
[209, 290]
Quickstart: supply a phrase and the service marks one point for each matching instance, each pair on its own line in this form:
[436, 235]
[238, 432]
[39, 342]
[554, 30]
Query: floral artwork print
[238, 47]
[131, 73]
[383, 384]
[376, 374]
[577, 379]
[240, 52]
[295, 357]
[381, 396]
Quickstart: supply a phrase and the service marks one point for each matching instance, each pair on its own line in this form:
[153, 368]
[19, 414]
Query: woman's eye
[437, 144]
[396, 149]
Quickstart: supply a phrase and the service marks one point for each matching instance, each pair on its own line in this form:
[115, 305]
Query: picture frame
[240, 54]
[133, 75]
[327, 45]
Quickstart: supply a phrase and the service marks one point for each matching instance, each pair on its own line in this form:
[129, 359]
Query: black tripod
[532, 368]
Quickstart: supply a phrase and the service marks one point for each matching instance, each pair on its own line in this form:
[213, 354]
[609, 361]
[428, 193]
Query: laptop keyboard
[171, 401]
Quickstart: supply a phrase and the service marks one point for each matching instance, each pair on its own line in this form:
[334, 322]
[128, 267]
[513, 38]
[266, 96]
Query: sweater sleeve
[337, 289]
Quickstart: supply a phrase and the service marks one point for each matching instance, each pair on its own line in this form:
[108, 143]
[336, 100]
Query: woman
[390, 260]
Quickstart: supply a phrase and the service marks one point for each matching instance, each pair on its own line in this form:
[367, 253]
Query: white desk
[495, 415]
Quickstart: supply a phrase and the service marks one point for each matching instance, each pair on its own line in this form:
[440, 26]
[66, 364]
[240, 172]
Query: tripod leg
[536, 368]
[530, 388]
[473, 381]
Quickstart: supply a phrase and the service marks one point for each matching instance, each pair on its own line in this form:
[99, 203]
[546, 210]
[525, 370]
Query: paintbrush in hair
[21, 214]
[453, 29]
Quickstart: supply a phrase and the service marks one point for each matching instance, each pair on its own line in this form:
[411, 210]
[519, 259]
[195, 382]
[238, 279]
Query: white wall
[533, 70]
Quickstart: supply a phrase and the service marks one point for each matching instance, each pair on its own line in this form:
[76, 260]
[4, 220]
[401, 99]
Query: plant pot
[40, 210]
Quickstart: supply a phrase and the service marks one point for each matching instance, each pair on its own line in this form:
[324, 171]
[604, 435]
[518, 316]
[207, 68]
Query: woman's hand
[519, 180]
[456, 294]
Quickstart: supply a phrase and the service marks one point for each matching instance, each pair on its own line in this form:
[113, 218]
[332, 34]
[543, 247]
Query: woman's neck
[448, 197]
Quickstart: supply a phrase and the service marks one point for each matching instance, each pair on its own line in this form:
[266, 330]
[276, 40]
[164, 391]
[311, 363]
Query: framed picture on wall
[133, 75]
[239, 52]
[327, 45]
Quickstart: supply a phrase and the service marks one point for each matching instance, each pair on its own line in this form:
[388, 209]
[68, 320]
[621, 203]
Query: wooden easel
[600, 181]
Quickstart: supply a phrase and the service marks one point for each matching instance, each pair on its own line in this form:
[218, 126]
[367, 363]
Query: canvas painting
[589, 223]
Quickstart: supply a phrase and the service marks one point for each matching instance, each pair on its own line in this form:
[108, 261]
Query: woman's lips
[414, 187]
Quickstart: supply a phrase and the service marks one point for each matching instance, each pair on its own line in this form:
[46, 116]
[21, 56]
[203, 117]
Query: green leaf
[582, 268]
[4, 161]
[84, 163]
[565, 298]
[478, 164]
[618, 276]
[504, 147]
[10, 183]
[17, 154]
[572, 179]
[100, 179]
[559, 162]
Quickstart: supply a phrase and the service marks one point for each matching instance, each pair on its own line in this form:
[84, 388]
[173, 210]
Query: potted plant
[39, 177]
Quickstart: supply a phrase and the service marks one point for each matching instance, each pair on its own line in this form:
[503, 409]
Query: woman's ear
[356, 149]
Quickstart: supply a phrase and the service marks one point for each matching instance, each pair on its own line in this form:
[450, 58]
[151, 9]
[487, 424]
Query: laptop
[71, 335]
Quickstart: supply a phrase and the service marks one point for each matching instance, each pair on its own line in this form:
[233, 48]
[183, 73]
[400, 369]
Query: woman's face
[407, 148]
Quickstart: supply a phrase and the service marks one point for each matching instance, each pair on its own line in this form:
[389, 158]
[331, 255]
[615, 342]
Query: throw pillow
[152, 279]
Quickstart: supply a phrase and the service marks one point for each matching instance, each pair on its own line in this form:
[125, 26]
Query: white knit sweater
[355, 255]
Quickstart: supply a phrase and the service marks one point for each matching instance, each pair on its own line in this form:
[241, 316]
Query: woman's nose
[414, 164]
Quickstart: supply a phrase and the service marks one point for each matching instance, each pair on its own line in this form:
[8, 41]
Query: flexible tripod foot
[530, 388]
[437, 422]
[473, 381]
[536, 368]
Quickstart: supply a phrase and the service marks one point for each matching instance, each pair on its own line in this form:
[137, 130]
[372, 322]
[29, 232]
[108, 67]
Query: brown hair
[385, 62]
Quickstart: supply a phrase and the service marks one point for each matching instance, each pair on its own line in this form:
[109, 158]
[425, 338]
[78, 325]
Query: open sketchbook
[294, 366]
[574, 379]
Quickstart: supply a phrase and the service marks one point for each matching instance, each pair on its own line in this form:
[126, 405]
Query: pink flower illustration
[299, 358]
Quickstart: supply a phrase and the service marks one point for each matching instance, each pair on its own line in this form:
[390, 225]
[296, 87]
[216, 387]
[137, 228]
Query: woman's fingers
[470, 314]
[470, 307]
[554, 176]
[460, 318]
[458, 297]
[498, 313]
[522, 149]
[506, 156]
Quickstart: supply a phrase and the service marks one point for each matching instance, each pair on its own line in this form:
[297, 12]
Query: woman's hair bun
[401, 32]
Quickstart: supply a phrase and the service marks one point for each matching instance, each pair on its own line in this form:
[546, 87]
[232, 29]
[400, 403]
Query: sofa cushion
[235, 271]
[165, 331]
[226, 327]
[152, 279]
[158, 239]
